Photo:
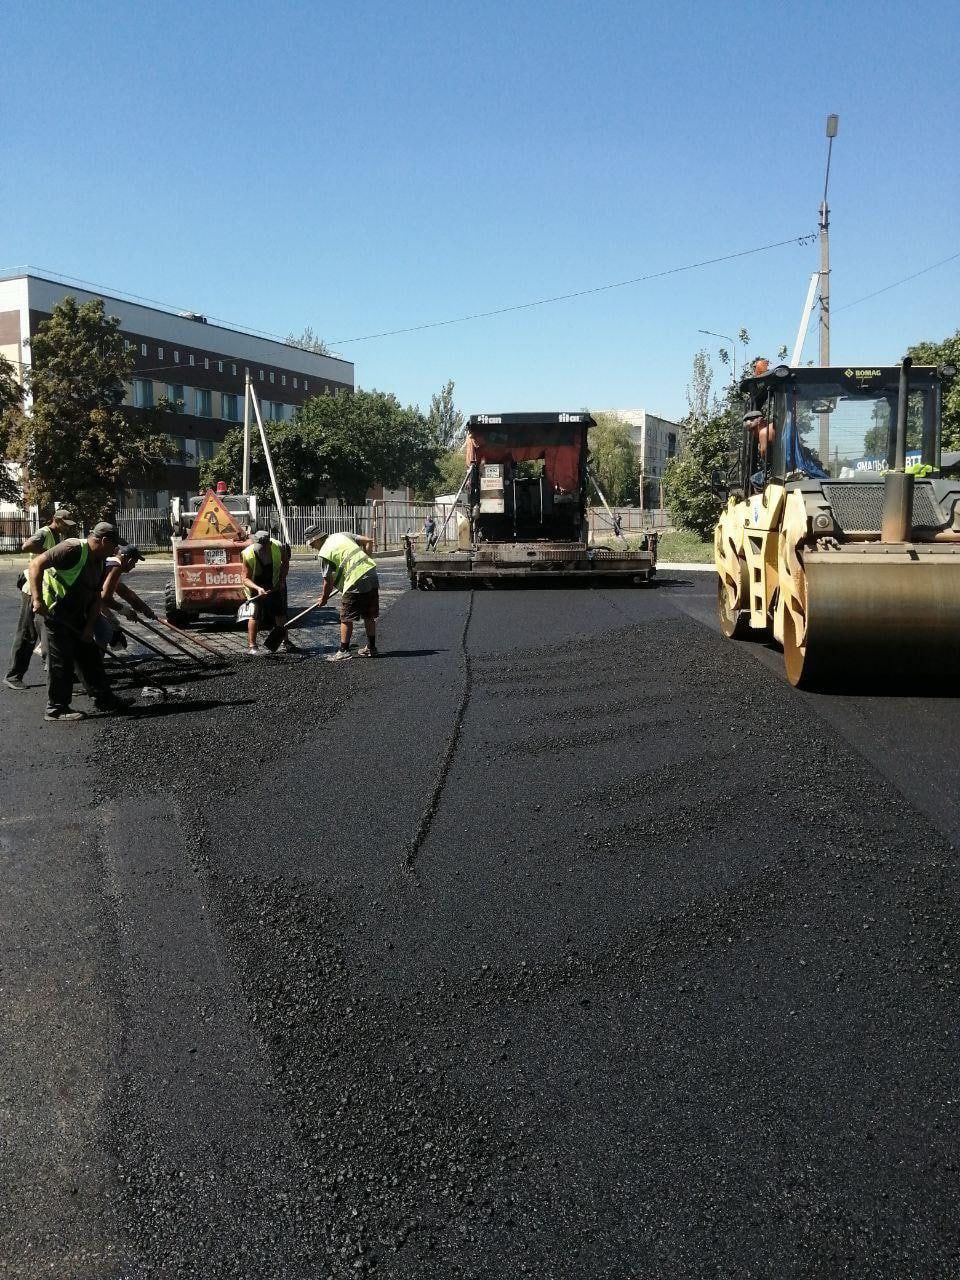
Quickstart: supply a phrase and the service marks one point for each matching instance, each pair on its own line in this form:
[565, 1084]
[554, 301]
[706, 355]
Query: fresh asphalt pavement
[564, 940]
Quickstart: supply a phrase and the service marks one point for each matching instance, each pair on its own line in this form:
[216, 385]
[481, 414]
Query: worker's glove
[130, 613]
[148, 613]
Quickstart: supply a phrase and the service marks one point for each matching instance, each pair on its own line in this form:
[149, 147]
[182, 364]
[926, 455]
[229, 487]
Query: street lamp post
[733, 347]
[833, 124]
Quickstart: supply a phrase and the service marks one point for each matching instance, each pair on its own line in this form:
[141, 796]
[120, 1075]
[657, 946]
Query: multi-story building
[198, 366]
[656, 440]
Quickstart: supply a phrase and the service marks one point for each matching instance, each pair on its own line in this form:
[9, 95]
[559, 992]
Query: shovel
[276, 637]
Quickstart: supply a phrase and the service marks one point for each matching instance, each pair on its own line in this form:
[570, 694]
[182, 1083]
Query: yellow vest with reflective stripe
[249, 558]
[50, 539]
[350, 561]
[57, 582]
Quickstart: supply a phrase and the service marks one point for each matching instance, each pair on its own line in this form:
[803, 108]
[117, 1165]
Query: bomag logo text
[866, 373]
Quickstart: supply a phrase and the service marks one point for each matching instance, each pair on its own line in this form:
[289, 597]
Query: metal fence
[386, 522]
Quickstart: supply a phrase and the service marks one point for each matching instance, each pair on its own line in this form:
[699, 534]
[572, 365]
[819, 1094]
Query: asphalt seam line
[429, 813]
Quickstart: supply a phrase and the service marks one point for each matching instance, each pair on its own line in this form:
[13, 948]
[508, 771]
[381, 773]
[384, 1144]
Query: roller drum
[877, 613]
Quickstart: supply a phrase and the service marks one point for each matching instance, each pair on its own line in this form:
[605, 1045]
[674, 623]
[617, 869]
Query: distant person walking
[349, 568]
[28, 632]
[429, 531]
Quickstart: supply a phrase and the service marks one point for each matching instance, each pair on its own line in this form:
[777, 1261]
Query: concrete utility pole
[833, 123]
[245, 483]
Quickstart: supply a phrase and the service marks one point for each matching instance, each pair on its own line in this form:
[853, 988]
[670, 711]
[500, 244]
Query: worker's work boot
[14, 682]
[254, 651]
[288, 646]
[340, 656]
[63, 713]
[368, 651]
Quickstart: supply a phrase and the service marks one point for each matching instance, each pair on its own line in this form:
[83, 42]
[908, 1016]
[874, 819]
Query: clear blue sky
[368, 166]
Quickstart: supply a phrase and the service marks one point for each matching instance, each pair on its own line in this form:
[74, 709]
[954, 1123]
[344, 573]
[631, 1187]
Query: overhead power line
[579, 293]
[876, 293]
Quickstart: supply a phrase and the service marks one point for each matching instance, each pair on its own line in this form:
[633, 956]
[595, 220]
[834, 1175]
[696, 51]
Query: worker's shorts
[271, 607]
[360, 604]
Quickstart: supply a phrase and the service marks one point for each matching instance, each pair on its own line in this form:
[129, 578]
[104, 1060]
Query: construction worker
[107, 632]
[25, 639]
[349, 568]
[266, 563]
[65, 585]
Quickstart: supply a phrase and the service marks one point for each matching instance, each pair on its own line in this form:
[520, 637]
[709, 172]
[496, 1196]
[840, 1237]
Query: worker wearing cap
[25, 640]
[117, 566]
[65, 585]
[349, 568]
[266, 563]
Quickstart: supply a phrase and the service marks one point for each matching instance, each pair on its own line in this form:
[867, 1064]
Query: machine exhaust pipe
[897, 484]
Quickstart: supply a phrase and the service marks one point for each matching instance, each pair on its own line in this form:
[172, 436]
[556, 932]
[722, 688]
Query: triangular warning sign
[213, 520]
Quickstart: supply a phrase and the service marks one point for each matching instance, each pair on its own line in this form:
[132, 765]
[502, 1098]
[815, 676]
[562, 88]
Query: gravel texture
[564, 940]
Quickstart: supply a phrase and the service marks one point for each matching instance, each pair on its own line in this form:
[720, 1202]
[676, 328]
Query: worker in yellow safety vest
[28, 631]
[348, 568]
[266, 563]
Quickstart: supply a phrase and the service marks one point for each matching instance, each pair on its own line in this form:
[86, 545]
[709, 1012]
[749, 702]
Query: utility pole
[833, 123]
[245, 483]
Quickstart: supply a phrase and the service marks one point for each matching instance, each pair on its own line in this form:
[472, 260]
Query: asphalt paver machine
[841, 535]
[524, 512]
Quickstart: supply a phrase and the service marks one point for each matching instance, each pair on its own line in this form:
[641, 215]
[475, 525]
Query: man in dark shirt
[61, 526]
[65, 585]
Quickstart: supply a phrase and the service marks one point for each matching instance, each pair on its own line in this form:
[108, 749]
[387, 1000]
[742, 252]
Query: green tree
[308, 341]
[298, 461]
[445, 419]
[447, 477]
[710, 435]
[77, 445]
[945, 352]
[11, 400]
[368, 437]
[613, 460]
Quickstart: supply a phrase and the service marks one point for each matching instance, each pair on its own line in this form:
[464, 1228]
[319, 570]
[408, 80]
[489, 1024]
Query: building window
[176, 357]
[206, 362]
[261, 375]
[233, 370]
[230, 407]
[671, 444]
[192, 361]
[159, 353]
[127, 344]
[294, 384]
[202, 400]
[283, 379]
[219, 366]
[175, 396]
[143, 393]
[274, 410]
[143, 348]
[306, 385]
[205, 450]
[273, 376]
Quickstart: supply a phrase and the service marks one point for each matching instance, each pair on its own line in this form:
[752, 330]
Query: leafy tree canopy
[445, 419]
[11, 400]
[345, 442]
[308, 341]
[709, 437]
[77, 445]
[614, 461]
[945, 352]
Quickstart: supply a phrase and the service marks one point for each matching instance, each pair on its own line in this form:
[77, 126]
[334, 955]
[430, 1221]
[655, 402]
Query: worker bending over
[107, 632]
[266, 563]
[65, 585]
[349, 568]
[28, 632]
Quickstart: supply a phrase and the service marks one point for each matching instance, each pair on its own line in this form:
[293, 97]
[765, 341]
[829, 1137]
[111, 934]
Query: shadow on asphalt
[181, 707]
[410, 653]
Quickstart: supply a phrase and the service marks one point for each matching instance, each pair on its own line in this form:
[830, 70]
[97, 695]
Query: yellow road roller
[841, 536]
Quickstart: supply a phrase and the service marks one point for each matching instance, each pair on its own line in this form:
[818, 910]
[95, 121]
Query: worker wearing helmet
[349, 568]
[266, 563]
[28, 631]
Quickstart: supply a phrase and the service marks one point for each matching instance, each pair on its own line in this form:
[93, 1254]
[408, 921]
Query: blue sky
[371, 166]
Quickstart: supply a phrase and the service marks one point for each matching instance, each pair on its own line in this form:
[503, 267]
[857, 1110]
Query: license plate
[216, 556]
